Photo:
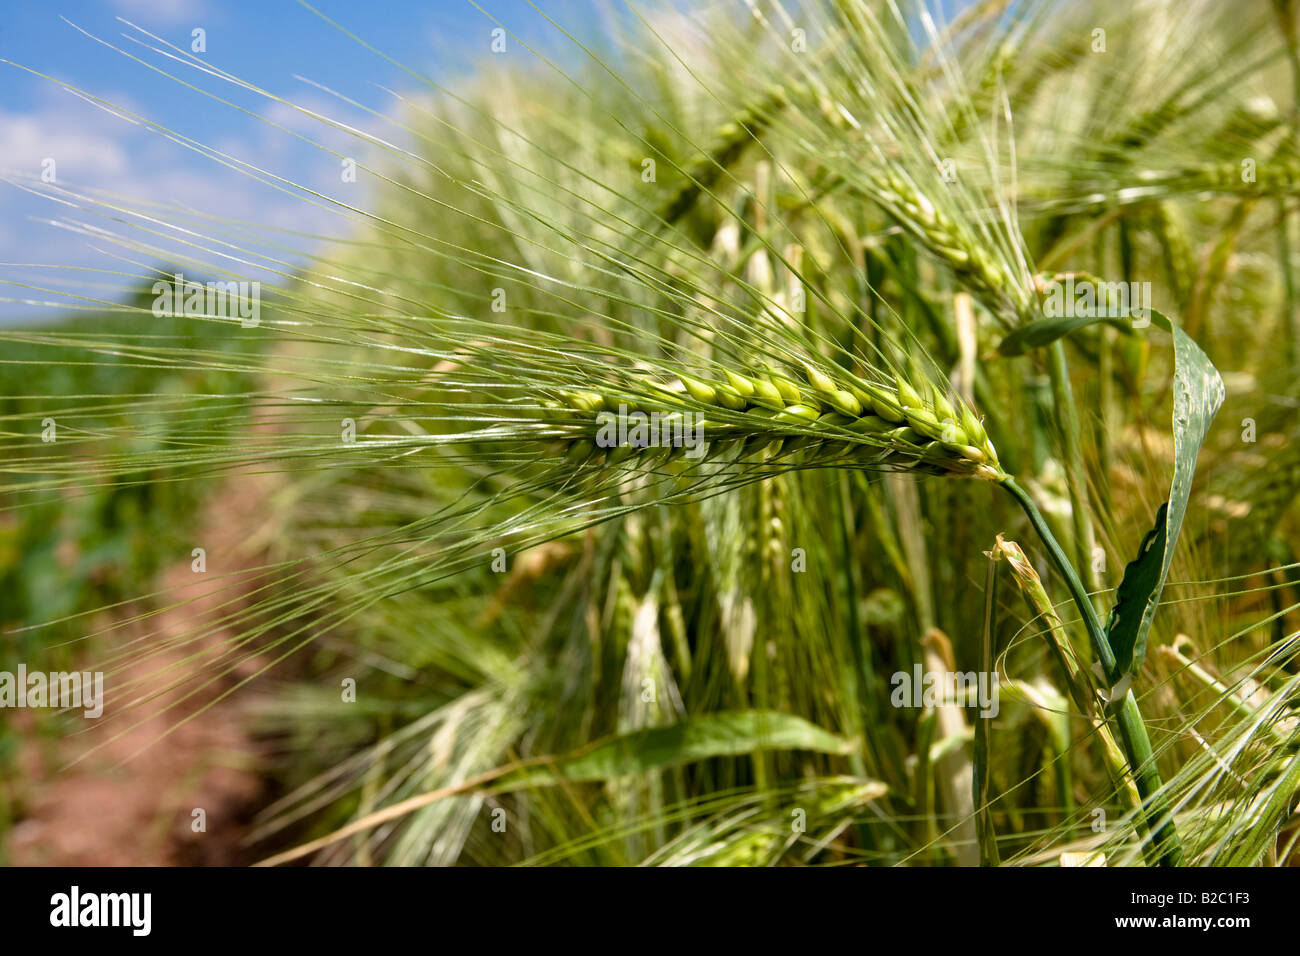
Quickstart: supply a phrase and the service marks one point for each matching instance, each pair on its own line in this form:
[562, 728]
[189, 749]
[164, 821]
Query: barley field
[843, 433]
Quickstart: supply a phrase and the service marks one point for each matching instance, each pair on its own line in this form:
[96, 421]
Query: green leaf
[1198, 393]
[1129, 618]
[727, 734]
[1046, 331]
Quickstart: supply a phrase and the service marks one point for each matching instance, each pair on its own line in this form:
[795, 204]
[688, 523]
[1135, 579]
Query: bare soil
[131, 799]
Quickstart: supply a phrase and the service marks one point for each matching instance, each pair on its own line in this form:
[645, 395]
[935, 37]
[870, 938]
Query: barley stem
[1067, 419]
[988, 838]
[1165, 847]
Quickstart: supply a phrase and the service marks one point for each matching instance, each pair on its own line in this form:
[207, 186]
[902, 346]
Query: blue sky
[267, 42]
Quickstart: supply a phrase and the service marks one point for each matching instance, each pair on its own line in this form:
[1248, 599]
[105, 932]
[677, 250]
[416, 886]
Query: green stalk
[1067, 420]
[988, 838]
[1286, 20]
[1165, 848]
[1288, 280]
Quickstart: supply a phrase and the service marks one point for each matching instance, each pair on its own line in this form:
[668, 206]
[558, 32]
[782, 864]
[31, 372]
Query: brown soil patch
[131, 801]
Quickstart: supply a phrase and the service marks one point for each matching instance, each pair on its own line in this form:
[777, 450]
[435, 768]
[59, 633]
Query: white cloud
[27, 141]
[96, 150]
